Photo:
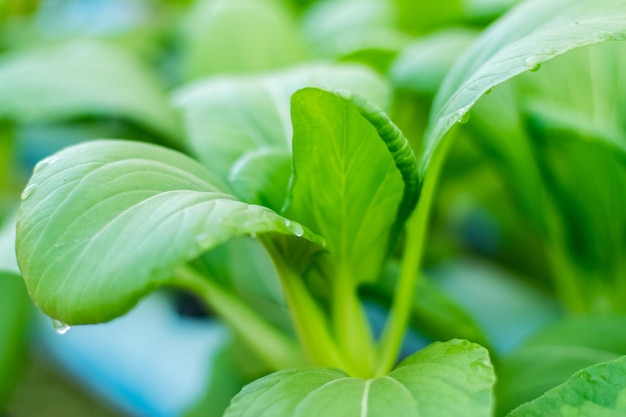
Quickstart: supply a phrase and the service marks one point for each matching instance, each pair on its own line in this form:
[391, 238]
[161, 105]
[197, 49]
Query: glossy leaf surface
[103, 223]
[532, 33]
[444, 380]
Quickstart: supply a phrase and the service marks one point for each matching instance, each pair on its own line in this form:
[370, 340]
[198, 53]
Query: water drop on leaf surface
[28, 191]
[532, 63]
[464, 118]
[297, 230]
[60, 327]
[45, 163]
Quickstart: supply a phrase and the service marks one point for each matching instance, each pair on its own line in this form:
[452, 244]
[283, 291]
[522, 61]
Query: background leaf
[262, 177]
[226, 117]
[597, 391]
[83, 78]
[240, 36]
[343, 28]
[555, 353]
[103, 223]
[422, 65]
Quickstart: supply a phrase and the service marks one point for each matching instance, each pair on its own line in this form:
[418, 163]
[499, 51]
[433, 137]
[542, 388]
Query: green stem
[417, 226]
[351, 326]
[309, 320]
[272, 345]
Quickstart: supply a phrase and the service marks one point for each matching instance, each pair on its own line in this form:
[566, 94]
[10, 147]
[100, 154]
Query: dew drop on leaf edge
[532, 63]
[44, 163]
[28, 191]
[464, 118]
[60, 327]
[297, 230]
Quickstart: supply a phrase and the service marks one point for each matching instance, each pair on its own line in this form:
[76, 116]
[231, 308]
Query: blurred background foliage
[529, 225]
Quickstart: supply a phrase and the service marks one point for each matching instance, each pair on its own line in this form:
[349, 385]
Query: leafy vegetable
[343, 186]
[285, 220]
[154, 209]
[445, 379]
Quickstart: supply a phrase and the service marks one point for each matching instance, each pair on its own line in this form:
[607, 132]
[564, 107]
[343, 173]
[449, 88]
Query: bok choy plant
[297, 182]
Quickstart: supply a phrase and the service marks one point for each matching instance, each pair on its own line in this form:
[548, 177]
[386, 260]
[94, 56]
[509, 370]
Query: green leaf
[14, 309]
[262, 177]
[598, 391]
[240, 36]
[342, 28]
[532, 33]
[555, 353]
[83, 78]
[103, 223]
[444, 380]
[347, 178]
[581, 90]
[572, 108]
[227, 117]
[533, 370]
[585, 173]
[422, 65]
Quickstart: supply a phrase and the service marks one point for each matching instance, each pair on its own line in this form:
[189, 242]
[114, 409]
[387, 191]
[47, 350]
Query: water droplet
[297, 230]
[28, 191]
[464, 118]
[287, 222]
[60, 327]
[46, 163]
[533, 63]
